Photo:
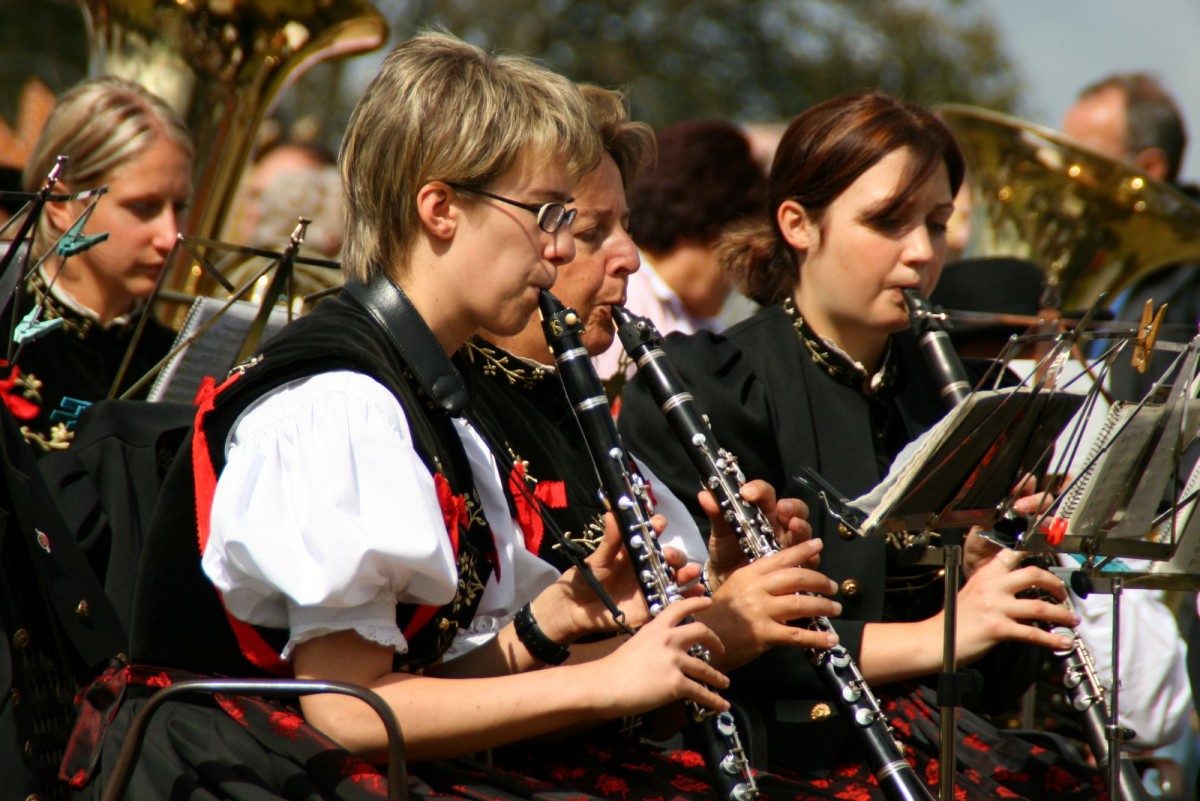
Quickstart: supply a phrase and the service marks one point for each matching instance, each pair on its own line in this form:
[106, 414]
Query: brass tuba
[220, 64]
[1091, 223]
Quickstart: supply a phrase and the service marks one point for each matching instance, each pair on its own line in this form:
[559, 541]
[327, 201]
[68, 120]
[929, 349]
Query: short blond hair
[442, 109]
[629, 142]
[101, 124]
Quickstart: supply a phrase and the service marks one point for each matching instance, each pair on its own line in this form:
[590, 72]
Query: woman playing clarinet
[828, 377]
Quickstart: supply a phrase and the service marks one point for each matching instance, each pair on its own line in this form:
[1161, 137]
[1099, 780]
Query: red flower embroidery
[364, 775]
[689, 759]
[931, 773]
[454, 508]
[611, 786]
[1004, 775]
[1058, 779]
[846, 769]
[689, 785]
[552, 494]
[285, 723]
[561, 774]
[21, 407]
[233, 708]
[821, 783]
[974, 741]
[855, 792]
[161, 680]
[1003, 792]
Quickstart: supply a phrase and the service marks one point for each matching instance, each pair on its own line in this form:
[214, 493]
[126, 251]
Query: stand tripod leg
[948, 700]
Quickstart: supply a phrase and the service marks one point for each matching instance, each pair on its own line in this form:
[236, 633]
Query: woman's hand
[788, 518]
[655, 666]
[752, 607]
[978, 551]
[569, 608]
[990, 611]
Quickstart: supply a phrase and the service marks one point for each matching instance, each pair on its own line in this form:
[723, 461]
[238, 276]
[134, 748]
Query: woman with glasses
[828, 376]
[352, 523]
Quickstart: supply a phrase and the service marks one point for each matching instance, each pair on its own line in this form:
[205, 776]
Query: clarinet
[720, 474]
[1089, 702]
[1079, 672]
[627, 497]
[932, 325]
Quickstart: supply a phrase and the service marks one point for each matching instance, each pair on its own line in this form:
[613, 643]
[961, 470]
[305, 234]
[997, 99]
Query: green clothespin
[74, 241]
[30, 328]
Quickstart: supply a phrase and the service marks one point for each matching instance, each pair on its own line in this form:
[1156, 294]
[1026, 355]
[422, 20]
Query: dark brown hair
[704, 180]
[821, 154]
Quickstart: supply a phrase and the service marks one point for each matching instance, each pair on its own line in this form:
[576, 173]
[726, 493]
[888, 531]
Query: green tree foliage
[744, 59]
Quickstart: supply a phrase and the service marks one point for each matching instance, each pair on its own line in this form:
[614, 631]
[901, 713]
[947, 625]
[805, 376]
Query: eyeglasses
[550, 216]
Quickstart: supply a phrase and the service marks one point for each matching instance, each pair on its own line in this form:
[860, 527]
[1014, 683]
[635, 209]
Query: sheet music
[1186, 558]
[212, 353]
[972, 457]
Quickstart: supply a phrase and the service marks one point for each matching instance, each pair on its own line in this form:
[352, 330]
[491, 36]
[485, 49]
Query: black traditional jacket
[780, 401]
[175, 600]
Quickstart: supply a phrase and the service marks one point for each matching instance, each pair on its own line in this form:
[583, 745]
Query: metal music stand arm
[118, 782]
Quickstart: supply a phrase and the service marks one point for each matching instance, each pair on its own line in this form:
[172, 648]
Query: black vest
[179, 620]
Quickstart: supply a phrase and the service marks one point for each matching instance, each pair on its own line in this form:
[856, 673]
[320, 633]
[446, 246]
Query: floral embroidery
[454, 508]
[688, 784]
[689, 759]
[234, 708]
[526, 374]
[286, 723]
[160, 680]
[551, 494]
[363, 773]
[21, 394]
[611, 786]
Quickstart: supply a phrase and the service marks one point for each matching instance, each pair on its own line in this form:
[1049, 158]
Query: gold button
[28, 749]
[82, 610]
[821, 711]
[21, 639]
[845, 533]
[850, 588]
[33, 797]
[16, 697]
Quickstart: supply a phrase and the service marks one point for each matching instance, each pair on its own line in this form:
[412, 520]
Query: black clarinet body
[932, 325]
[720, 474]
[628, 498]
[1079, 674]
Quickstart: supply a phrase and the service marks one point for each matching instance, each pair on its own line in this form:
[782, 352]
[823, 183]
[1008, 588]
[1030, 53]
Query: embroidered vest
[338, 335]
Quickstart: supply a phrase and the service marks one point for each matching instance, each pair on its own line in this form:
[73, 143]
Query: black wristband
[533, 638]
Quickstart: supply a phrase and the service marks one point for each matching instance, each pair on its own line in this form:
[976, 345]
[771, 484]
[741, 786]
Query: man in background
[1130, 117]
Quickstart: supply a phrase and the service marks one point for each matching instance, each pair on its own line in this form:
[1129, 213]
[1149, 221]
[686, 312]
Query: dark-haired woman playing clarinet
[827, 376]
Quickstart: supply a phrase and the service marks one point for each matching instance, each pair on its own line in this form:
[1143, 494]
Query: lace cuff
[374, 621]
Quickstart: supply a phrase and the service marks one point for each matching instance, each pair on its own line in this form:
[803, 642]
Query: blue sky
[1059, 46]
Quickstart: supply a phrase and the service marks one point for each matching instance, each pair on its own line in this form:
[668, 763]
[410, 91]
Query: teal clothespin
[74, 241]
[30, 328]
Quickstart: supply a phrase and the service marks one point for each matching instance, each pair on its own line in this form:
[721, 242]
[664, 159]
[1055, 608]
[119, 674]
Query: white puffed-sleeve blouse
[325, 518]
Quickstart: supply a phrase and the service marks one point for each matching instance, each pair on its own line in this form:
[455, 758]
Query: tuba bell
[220, 64]
[1091, 223]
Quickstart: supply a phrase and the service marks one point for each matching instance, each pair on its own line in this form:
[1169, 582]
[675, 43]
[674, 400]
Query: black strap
[391, 309]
